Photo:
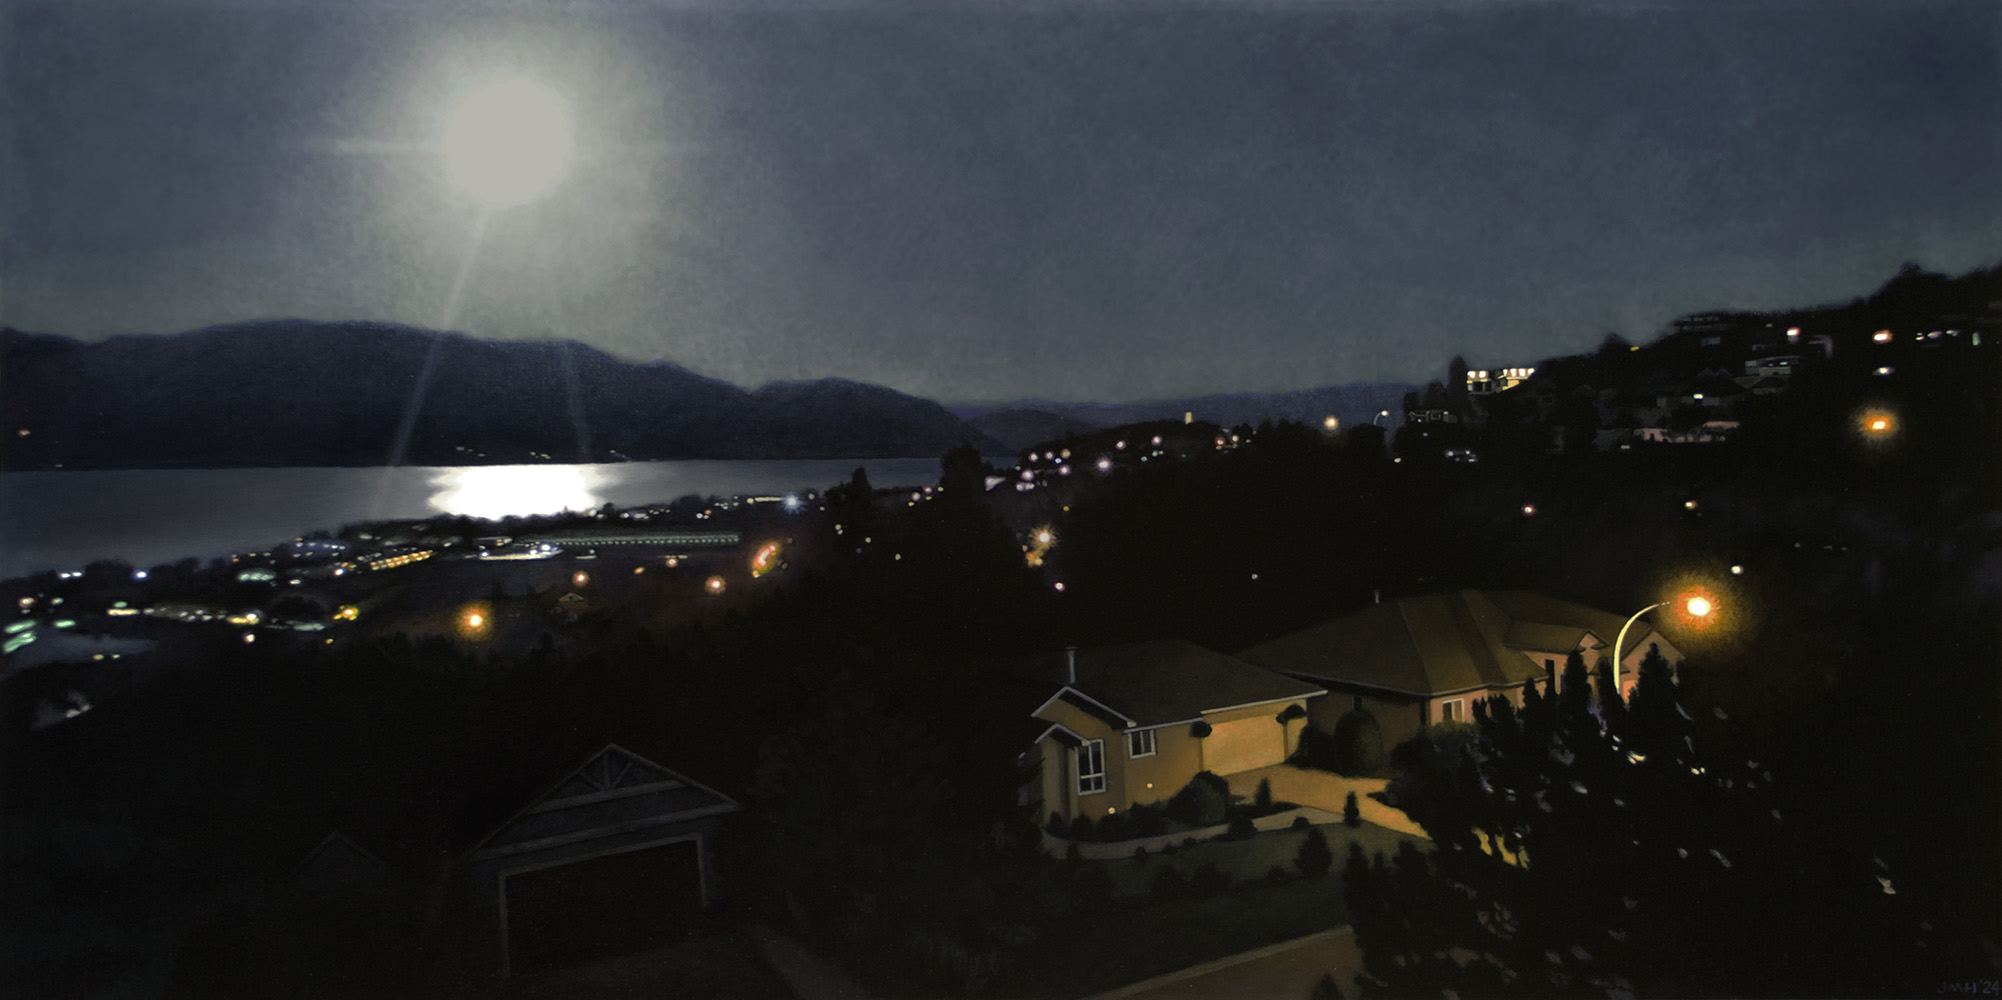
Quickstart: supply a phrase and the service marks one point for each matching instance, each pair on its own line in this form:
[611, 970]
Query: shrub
[1358, 743]
[1169, 849]
[1112, 827]
[1302, 822]
[1276, 874]
[1326, 989]
[1168, 883]
[1241, 828]
[1081, 828]
[1073, 853]
[1145, 821]
[1140, 855]
[1203, 802]
[1056, 826]
[1209, 880]
[1351, 812]
[1262, 800]
[1314, 858]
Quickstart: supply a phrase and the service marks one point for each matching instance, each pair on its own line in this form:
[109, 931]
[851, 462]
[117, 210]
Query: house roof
[1440, 644]
[1160, 682]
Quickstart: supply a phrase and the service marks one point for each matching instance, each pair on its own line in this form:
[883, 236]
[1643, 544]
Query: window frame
[1090, 749]
[1453, 710]
[1153, 745]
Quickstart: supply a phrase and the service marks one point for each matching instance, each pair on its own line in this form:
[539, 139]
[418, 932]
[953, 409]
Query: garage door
[1244, 745]
[608, 905]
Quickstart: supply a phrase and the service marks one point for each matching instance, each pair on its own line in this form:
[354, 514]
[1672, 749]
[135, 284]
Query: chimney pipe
[1070, 664]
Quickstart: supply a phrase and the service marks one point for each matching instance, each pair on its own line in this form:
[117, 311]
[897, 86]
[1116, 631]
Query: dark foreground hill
[295, 393]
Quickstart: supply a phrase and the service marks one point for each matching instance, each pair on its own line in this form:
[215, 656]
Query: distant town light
[579, 578]
[1688, 505]
[793, 502]
[672, 562]
[1060, 586]
[1882, 337]
[1793, 333]
[1104, 464]
[1157, 441]
[766, 559]
[1120, 445]
[1737, 571]
[249, 637]
[1885, 370]
[138, 574]
[1698, 606]
[1529, 510]
[714, 585]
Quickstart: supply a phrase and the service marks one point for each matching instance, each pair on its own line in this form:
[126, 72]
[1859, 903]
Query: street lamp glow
[1697, 605]
[507, 141]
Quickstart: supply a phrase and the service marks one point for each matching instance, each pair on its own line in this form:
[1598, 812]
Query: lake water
[62, 520]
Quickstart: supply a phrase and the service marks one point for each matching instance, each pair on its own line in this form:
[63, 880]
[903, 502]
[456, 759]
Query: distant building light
[1737, 571]
[249, 637]
[1059, 586]
[1793, 333]
[1885, 370]
[1529, 510]
[1157, 441]
[138, 574]
[1120, 445]
[1688, 505]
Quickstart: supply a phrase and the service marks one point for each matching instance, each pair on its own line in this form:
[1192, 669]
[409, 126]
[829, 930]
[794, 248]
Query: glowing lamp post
[1697, 605]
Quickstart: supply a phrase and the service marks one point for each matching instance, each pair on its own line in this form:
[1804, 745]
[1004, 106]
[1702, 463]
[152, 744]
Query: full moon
[507, 141]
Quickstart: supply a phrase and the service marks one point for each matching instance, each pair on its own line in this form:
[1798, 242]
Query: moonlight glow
[496, 491]
[507, 142]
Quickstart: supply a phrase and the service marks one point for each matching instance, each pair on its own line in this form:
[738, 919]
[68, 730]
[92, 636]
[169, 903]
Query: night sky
[1061, 200]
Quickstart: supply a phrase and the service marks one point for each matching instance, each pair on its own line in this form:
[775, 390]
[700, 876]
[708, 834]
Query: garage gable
[616, 791]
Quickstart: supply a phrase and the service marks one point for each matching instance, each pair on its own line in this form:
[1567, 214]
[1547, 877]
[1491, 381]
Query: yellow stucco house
[1132, 724]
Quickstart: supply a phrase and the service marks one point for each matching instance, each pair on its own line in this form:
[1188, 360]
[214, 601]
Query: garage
[1244, 745]
[611, 905]
[612, 860]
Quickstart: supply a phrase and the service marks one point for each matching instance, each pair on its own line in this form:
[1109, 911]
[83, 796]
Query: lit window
[1452, 711]
[1091, 767]
[1140, 744]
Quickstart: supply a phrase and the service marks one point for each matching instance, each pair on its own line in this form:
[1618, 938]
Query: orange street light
[1697, 605]
[474, 621]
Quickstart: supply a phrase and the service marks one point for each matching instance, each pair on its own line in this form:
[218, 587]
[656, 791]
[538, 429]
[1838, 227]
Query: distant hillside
[305, 393]
[1021, 428]
[1351, 404]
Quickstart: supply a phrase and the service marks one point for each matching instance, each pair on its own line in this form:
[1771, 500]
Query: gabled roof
[616, 789]
[1160, 682]
[1440, 644]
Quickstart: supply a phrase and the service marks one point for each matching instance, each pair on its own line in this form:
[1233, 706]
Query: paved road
[1285, 971]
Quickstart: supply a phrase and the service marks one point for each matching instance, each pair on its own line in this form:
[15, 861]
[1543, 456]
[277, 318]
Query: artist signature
[1971, 988]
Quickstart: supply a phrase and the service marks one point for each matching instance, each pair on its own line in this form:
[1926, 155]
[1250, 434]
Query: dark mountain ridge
[301, 393]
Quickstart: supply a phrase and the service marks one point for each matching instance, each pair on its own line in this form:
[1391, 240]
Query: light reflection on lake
[496, 491]
[64, 519]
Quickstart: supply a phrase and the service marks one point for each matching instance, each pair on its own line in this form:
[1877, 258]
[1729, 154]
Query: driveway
[1324, 790]
[1284, 971]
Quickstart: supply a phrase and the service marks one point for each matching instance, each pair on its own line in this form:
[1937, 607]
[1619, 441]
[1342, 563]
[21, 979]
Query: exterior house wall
[1178, 755]
[1398, 716]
